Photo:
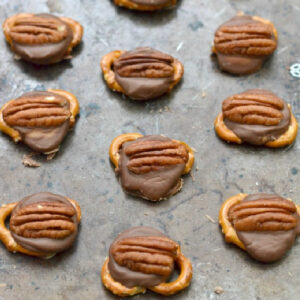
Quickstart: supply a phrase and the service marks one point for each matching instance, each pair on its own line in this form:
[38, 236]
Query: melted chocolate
[43, 140]
[44, 54]
[126, 276]
[45, 245]
[154, 185]
[151, 2]
[268, 246]
[143, 88]
[240, 64]
[260, 134]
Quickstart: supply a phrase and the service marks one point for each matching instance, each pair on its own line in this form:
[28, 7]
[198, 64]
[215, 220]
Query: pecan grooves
[38, 30]
[147, 156]
[263, 215]
[150, 255]
[253, 39]
[43, 220]
[253, 108]
[37, 111]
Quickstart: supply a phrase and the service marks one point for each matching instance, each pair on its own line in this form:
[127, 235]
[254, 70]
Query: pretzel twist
[131, 5]
[8, 240]
[15, 135]
[108, 60]
[166, 289]
[285, 139]
[117, 143]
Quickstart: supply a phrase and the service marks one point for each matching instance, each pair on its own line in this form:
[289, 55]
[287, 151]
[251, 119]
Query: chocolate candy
[145, 5]
[243, 43]
[42, 39]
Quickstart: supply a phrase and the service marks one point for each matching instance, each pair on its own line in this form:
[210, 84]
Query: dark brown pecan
[150, 255]
[145, 62]
[38, 30]
[43, 220]
[253, 108]
[146, 156]
[38, 111]
[264, 215]
[253, 38]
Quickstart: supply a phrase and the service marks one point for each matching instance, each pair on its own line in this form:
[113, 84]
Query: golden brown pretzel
[109, 75]
[131, 5]
[76, 28]
[166, 289]
[15, 135]
[126, 137]
[227, 228]
[285, 139]
[8, 240]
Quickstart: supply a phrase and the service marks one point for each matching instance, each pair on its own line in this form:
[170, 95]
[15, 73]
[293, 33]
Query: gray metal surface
[83, 172]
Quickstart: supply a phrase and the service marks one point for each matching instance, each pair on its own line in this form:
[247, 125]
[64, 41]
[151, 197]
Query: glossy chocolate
[260, 134]
[45, 245]
[44, 54]
[154, 185]
[268, 246]
[151, 2]
[126, 276]
[143, 88]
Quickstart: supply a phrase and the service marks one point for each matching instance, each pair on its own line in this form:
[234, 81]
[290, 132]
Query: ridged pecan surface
[253, 108]
[151, 155]
[38, 111]
[263, 215]
[245, 39]
[149, 255]
[43, 220]
[145, 63]
[38, 30]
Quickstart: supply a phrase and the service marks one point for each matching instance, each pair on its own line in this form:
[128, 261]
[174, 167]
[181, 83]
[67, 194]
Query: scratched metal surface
[83, 172]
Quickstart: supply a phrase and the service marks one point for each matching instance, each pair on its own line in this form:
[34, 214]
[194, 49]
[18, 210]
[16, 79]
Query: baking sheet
[83, 172]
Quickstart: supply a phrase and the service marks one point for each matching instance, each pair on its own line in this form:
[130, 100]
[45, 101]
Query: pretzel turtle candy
[25, 113]
[34, 30]
[141, 66]
[262, 214]
[145, 5]
[148, 246]
[6, 236]
[257, 115]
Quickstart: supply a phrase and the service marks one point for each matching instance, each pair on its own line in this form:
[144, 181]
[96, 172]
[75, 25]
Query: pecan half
[149, 255]
[144, 62]
[147, 156]
[43, 220]
[37, 111]
[253, 108]
[263, 215]
[249, 37]
[38, 30]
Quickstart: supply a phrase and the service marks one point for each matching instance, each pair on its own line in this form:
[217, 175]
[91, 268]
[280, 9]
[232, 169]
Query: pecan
[43, 220]
[253, 108]
[37, 111]
[147, 156]
[253, 38]
[149, 255]
[38, 30]
[145, 62]
[263, 215]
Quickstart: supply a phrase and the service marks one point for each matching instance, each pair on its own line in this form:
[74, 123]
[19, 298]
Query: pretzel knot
[166, 288]
[8, 240]
[127, 137]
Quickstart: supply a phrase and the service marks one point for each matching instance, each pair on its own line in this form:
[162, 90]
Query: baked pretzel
[8, 240]
[76, 28]
[285, 139]
[108, 60]
[166, 289]
[15, 135]
[131, 5]
[126, 137]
